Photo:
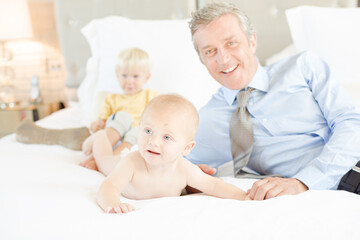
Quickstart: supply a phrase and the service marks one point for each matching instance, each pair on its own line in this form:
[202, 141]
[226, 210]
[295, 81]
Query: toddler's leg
[117, 125]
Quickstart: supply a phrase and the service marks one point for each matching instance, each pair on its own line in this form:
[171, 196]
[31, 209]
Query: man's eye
[136, 76]
[209, 52]
[124, 75]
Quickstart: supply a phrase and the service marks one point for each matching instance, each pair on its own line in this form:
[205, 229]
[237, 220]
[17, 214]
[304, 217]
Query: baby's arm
[212, 186]
[97, 125]
[108, 196]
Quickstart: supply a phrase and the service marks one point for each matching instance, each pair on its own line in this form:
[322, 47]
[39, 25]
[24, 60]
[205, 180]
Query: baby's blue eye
[147, 131]
[167, 138]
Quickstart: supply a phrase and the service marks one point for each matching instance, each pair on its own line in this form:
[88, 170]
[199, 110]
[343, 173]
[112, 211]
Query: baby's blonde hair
[179, 103]
[134, 58]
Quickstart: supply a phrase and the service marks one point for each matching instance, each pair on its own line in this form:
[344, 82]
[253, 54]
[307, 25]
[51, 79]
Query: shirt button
[251, 103]
[264, 120]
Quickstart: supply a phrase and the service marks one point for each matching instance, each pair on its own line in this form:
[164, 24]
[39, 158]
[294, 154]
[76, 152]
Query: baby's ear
[188, 148]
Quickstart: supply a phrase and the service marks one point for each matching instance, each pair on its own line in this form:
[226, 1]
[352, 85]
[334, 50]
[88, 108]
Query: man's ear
[253, 42]
[188, 148]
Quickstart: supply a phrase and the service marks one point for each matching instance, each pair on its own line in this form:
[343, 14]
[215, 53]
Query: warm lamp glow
[14, 20]
[15, 24]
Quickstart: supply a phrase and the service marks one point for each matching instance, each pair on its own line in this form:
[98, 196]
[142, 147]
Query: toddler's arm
[108, 196]
[97, 125]
[213, 186]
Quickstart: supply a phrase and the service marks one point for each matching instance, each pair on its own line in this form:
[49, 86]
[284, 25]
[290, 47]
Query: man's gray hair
[212, 11]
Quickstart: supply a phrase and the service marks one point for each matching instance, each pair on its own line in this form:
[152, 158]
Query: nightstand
[11, 117]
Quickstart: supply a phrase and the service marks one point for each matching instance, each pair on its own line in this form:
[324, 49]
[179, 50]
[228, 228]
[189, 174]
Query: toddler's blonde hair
[134, 58]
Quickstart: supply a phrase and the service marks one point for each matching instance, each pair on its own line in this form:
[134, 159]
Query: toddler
[120, 113]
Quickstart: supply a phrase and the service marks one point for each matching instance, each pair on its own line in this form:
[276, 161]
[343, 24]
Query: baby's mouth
[152, 152]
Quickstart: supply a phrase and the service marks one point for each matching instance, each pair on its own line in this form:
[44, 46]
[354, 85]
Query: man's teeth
[230, 69]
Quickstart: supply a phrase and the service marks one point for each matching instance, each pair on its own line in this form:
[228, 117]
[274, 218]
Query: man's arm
[341, 150]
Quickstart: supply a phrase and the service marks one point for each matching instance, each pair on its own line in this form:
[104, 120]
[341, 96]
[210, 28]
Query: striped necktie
[241, 132]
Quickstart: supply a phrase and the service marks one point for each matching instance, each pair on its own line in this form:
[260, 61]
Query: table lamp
[15, 24]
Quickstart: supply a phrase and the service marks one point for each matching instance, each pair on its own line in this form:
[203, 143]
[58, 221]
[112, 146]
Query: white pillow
[286, 52]
[176, 66]
[332, 33]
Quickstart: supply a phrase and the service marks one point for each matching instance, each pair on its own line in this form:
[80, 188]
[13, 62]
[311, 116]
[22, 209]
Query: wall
[42, 55]
[39, 56]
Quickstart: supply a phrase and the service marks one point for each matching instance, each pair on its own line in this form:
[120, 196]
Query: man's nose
[222, 56]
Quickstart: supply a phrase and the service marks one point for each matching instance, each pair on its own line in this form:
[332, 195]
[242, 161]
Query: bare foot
[90, 164]
[87, 145]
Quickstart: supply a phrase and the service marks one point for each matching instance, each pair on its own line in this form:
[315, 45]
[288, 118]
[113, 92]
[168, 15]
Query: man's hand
[274, 187]
[206, 169]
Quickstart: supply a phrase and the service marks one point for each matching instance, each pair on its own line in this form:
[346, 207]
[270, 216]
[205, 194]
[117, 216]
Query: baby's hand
[119, 208]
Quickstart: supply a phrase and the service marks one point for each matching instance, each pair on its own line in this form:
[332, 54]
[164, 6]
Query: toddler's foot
[87, 145]
[90, 164]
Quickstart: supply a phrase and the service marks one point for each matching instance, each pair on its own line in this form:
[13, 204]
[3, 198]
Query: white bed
[45, 194]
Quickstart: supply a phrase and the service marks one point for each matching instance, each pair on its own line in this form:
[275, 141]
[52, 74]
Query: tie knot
[243, 96]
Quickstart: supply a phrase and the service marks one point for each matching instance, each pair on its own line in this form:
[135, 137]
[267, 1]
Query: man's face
[225, 51]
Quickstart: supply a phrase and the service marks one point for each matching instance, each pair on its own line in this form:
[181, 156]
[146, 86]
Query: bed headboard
[267, 16]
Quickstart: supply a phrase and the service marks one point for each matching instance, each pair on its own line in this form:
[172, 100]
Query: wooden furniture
[11, 117]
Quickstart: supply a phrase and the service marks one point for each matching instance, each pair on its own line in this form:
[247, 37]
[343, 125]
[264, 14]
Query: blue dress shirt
[305, 125]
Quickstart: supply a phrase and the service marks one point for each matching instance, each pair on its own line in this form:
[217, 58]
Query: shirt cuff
[313, 178]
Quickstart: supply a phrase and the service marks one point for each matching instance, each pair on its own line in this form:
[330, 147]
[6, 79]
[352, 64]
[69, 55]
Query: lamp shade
[15, 20]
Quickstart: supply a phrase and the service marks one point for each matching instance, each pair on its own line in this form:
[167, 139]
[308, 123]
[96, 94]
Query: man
[305, 126]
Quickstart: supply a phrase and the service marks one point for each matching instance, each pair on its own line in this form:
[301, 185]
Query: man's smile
[230, 69]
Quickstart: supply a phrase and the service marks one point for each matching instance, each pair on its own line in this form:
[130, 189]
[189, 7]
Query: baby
[158, 169]
[120, 113]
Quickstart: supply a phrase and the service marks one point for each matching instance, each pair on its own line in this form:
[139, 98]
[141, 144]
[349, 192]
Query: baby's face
[131, 80]
[164, 136]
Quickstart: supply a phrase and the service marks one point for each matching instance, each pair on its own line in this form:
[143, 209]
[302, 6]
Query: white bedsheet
[44, 194]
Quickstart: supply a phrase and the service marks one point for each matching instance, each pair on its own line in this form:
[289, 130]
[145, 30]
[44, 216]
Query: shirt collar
[260, 82]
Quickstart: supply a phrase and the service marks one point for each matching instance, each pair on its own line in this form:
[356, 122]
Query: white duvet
[45, 194]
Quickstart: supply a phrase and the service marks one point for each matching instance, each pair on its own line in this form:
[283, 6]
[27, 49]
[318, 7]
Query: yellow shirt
[132, 104]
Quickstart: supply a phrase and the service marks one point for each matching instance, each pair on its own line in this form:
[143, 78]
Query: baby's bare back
[149, 182]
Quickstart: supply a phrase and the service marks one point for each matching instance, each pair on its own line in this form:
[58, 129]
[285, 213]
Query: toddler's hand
[97, 125]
